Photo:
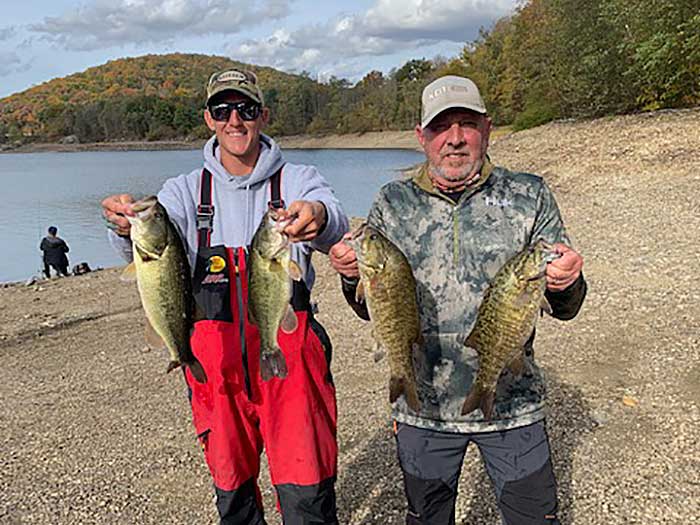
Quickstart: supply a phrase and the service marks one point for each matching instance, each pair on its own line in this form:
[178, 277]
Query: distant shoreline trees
[551, 59]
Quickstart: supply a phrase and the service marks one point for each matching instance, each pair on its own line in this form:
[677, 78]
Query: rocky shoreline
[369, 140]
[96, 432]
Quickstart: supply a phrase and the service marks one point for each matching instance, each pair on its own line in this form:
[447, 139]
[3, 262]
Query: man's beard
[462, 178]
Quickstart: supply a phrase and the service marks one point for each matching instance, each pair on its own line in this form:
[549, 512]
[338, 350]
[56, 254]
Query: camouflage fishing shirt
[455, 249]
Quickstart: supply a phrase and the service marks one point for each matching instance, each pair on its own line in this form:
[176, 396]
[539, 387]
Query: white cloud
[390, 26]
[316, 47]
[455, 20]
[108, 23]
[7, 32]
[10, 63]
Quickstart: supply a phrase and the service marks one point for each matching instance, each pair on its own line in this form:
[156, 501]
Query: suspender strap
[205, 210]
[276, 200]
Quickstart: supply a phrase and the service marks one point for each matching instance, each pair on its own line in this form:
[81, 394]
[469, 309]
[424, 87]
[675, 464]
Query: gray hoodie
[241, 201]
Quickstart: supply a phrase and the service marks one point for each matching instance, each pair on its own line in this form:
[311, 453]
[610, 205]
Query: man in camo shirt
[457, 220]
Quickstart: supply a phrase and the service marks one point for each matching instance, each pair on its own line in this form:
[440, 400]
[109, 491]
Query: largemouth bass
[269, 292]
[388, 286]
[505, 321]
[163, 275]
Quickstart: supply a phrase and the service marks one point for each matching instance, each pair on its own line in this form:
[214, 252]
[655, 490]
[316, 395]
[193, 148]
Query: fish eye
[158, 215]
[373, 237]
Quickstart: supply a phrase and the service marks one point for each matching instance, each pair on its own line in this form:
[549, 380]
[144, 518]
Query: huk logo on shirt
[501, 203]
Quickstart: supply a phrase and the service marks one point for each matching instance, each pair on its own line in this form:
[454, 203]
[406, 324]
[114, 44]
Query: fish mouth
[354, 239]
[550, 253]
[142, 208]
[357, 232]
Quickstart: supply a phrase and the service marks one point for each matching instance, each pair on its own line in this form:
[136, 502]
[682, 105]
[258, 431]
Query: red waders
[236, 414]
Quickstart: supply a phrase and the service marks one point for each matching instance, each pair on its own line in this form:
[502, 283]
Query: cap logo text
[228, 76]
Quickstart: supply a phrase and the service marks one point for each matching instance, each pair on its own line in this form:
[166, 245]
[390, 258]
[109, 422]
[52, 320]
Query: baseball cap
[449, 92]
[244, 82]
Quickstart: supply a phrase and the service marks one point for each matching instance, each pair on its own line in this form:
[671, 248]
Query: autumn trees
[549, 59]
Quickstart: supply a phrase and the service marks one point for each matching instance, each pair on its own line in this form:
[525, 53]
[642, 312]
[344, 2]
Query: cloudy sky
[44, 39]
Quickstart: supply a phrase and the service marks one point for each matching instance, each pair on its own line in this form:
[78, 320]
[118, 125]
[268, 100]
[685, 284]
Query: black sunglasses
[247, 110]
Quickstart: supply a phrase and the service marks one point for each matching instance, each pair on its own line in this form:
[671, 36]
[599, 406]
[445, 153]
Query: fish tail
[398, 386]
[272, 364]
[479, 398]
[172, 365]
[197, 371]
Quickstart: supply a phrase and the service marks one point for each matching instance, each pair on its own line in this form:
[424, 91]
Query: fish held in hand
[389, 287]
[269, 291]
[162, 273]
[505, 321]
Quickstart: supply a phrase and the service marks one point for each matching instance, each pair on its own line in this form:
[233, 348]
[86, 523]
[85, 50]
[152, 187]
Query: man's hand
[343, 259]
[562, 272]
[115, 208]
[307, 219]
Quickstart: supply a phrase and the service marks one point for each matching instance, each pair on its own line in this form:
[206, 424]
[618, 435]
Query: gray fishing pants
[517, 461]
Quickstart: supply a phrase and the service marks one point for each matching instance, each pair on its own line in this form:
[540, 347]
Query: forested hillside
[551, 59]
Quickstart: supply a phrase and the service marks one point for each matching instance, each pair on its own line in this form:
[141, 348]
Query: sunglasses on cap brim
[247, 110]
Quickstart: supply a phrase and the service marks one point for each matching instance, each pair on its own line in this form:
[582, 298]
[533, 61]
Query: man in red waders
[217, 210]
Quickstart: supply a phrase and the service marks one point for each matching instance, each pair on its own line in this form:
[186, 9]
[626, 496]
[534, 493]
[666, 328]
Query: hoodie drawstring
[247, 216]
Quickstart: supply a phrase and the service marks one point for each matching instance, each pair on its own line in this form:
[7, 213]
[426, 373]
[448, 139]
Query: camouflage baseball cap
[244, 82]
[450, 92]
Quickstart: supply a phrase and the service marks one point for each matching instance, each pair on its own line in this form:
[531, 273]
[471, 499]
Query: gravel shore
[95, 432]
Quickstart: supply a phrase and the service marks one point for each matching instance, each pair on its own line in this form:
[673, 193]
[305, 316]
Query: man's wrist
[350, 281]
[325, 217]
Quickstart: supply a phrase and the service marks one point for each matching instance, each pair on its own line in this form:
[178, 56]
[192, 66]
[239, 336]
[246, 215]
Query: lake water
[65, 190]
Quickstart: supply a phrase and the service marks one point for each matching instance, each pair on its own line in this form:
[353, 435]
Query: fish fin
[479, 398]
[523, 299]
[289, 322]
[129, 273]
[197, 371]
[398, 386]
[472, 401]
[378, 353]
[471, 341]
[546, 306]
[412, 398]
[294, 271]
[251, 317]
[153, 340]
[172, 365]
[272, 364]
[360, 292]
[487, 404]
[517, 365]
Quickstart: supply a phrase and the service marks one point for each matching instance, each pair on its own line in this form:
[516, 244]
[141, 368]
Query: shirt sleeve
[550, 227]
[171, 197]
[548, 223]
[316, 188]
[121, 245]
